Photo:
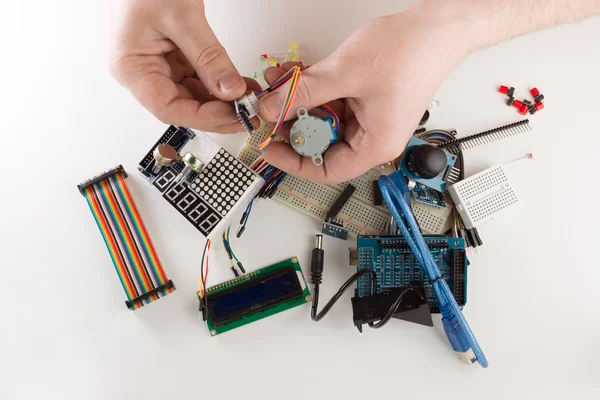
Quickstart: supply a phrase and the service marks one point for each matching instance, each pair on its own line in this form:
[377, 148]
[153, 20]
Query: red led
[534, 92]
[539, 105]
[523, 110]
[518, 104]
[503, 89]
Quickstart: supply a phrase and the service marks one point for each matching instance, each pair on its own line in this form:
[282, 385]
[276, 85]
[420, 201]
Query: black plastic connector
[413, 308]
[145, 296]
[317, 261]
[106, 175]
[241, 267]
[377, 197]
[340, 202]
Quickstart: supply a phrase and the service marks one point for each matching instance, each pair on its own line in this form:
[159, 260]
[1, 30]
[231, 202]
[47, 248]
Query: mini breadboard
[207, 199]
[359, 215]
[483, 196]
[395, 265]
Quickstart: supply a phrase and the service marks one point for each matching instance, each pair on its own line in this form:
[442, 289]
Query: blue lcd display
[255, 296]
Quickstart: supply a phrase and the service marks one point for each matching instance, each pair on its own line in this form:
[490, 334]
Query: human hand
[167, 55]
[379, 82]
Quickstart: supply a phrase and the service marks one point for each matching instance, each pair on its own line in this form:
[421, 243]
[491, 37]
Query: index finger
[174, 104]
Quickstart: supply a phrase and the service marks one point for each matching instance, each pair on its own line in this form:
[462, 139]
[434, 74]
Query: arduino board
[390, 257]
[254, 296]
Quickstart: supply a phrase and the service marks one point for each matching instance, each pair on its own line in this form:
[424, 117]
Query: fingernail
[229, 81]
[271, 106]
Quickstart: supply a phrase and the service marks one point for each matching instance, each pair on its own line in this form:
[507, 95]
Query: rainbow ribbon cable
[126, 238]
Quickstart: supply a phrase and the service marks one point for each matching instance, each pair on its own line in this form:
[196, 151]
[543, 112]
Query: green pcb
[255, 295]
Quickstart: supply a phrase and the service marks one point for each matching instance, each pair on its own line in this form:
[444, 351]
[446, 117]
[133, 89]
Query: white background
[65, 332]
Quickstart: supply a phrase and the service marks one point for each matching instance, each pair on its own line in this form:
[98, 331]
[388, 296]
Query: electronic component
[254, 296]
[455, 325]
[517, 104]
[523, 109]
[126, 238]
[334, 230]
[489, 136]
[426, 164]
[310, 136]
[395, 265]
[246, 107]
[359, 216]
[374, 307]
[483, 196]
[539, 105]
[207, 185]
[331, 226]
[413, 308]
[537, 96]
[176, 138]
[340, 202]
[377, 200]
[426, 195]
[503, 89]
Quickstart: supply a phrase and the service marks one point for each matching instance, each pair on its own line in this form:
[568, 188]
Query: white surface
[65, 332]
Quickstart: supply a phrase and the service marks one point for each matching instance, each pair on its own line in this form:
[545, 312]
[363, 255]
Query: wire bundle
[293, 75]
[455, 325]
[231, 254]
[273, 177]
[125, 235]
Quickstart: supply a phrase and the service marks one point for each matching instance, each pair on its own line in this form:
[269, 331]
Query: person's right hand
[167, 55]
[379, 81]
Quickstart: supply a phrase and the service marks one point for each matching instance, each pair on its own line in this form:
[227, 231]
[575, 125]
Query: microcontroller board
[390, 257]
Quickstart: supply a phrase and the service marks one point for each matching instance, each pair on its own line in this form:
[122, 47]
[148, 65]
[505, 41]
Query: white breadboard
[359, 215]
[432, 219]
[483, 196]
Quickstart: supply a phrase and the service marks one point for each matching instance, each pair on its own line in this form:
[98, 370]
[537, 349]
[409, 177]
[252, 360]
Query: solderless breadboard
[483, 196]
[432, 219]
[359, 215]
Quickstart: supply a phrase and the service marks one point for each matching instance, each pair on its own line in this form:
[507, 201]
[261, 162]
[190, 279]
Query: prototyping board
[396, 266]
[208, 198]
[255, 295]
[483, 196]
[359, 215]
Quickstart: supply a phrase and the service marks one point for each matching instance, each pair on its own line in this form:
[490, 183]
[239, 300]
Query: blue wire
[456, 327]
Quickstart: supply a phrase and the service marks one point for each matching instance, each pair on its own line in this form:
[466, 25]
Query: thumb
[319, 84]
[201, 47]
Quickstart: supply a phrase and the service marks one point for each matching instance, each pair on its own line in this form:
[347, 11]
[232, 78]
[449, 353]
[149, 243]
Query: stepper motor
[311, 136]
